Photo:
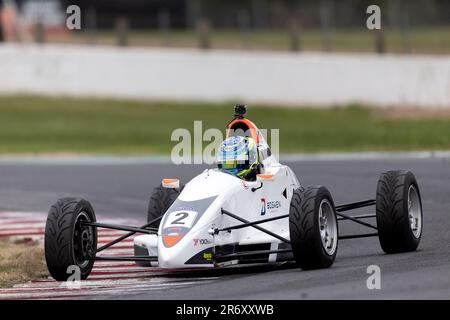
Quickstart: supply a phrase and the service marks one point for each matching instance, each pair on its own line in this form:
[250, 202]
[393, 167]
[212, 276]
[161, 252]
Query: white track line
[5, 222]
[163, 159]
[94, 291]
[18, 226]
[90, 283]
[338, 156]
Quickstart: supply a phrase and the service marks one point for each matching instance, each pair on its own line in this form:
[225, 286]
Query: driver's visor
[232, 162]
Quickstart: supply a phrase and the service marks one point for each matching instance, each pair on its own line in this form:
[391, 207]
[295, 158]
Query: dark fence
[328, 25]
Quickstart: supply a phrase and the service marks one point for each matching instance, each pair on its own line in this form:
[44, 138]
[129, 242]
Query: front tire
[67, 242]
[160, 200]
[313, 228]
[398, 211]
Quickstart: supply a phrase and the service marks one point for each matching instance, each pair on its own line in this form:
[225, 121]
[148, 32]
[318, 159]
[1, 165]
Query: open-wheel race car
[250, 209]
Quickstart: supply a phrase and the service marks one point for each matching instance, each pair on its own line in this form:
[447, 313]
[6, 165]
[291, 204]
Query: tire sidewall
[83, 206]
[322, 194]
[164, 198]
[411, 180]
[304, 228]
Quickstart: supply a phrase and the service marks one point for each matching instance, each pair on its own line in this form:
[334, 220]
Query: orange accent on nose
[169, 180]
[170, 241]
[265, 176]
[170, 183]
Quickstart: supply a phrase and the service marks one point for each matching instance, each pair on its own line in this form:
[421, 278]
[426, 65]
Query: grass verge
[20, 263]
[37, 125]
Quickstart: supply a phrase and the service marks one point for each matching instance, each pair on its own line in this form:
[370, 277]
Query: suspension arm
[119, 227]
[255, 226]
[355, 205]
[127, 235]
[249, 224]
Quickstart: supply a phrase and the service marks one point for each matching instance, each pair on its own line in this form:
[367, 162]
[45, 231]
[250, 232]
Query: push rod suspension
[362, 216]
[355, 205]
[346, 217]
[250, 224]
[126, 258]
[256, 226]
[118, 227]
[250, 253]
[127, 235]
[364, 235]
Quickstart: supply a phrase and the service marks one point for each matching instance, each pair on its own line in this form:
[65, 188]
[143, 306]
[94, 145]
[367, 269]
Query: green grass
[421, 39]
[30, 124]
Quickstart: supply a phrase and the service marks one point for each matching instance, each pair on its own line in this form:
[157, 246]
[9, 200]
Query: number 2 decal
[180, 219]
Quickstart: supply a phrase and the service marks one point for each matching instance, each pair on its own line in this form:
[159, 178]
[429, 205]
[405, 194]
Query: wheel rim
[83, 240]
[327, 227]
[414, 211]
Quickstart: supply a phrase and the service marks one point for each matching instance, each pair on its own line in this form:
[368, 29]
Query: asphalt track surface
[123, 191]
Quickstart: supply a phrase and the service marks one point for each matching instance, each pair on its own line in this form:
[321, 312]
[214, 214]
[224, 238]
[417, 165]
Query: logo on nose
[263, 208]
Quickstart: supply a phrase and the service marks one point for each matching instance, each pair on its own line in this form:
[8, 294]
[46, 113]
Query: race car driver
[238, 155]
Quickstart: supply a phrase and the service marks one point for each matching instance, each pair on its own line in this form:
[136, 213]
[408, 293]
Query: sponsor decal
[180, 218]
[184, 209]
[273, 205]
[171, 236]
[244, 184]
[263, 206]
[207, 256]
[201, 242]
[176, 226]
[269, 205]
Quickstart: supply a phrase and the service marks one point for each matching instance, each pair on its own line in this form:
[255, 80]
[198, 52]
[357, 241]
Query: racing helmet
[238, 156]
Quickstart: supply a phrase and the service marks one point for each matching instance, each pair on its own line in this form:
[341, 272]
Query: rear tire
[67, 243]
[398, 211]
[160, 200]
[313, 228]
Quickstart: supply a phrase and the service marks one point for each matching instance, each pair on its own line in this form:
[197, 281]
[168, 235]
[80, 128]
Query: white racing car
[251, 209]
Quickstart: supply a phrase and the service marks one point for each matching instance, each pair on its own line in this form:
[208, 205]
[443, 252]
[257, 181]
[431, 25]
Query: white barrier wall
[180, 74]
